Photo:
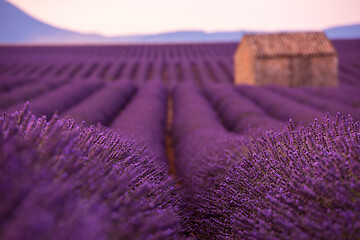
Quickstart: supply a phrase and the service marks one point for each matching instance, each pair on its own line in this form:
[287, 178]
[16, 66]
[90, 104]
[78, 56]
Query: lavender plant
[103, 105]
[9, 83]
[144, 118]
[348, 77]
[345, 95]
[280, 107]
[29, 91]
[238, 113]
[305, 97]
[63, 181]
[196, 131]
[61, 98]
[141, 72]
[296, 184]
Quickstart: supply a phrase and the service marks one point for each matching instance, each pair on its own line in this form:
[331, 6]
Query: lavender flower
[62, 181]
[296, 184]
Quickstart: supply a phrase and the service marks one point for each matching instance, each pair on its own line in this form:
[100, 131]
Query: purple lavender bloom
[197, 133]
[296, 184]
[62, 181]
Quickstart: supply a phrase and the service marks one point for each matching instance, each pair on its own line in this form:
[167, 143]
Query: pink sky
[120, 17]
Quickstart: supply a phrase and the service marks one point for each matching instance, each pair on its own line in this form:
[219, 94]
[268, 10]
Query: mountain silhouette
[18, 27]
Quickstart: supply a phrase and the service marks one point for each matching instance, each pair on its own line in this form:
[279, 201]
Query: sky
[128, 17]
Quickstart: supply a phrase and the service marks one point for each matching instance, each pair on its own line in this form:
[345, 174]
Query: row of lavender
[139, 63]
[152, 52]
[207, 63]
[59, 180]
[200, 72]
[297, 183]
[240, 108]
[138, 71]
[283, 103]
[137, 112]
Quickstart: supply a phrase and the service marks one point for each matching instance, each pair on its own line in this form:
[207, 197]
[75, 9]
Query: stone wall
[325, 71]
[297, 71]
[244, 60]
[274, 71]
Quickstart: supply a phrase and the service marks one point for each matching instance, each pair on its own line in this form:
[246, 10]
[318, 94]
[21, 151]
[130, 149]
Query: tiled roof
[290, 44]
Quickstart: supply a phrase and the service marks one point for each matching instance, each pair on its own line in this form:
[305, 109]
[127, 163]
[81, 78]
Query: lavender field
[156, 142]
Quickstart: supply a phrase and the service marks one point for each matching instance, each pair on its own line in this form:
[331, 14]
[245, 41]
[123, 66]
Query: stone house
[288, 59]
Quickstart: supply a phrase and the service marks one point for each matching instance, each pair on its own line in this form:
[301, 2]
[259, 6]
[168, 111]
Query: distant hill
[344, 32]
[18, 27]
[186, 36]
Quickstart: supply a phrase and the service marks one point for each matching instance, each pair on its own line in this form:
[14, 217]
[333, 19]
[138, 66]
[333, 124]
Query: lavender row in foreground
[104, 105]
[195, 126]
[297, 184]
[60, 181]
[196, 130]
